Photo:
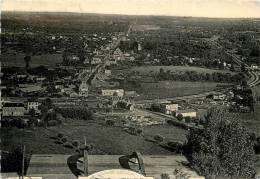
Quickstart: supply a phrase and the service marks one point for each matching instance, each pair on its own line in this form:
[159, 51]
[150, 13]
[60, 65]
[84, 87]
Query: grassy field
[105, 139]
[148, 70]
[166, 89]
[16, 59]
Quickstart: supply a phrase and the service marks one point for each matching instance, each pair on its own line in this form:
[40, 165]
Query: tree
[27, 60]
[48, 103]
[223, 149]
[32, 112]
[243, 67]
[180, 117]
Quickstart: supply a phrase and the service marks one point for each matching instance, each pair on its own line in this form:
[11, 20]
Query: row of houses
[19, 108]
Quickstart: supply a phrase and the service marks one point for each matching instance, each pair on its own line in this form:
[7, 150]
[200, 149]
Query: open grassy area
[148, 70]
[165, 89]
[105, 139]
[17, 59]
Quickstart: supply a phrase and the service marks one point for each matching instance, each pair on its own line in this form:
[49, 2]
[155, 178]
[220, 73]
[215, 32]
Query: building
[83, 89]
[254, 67]
[96, 60]
[187, 113]
[112, 92]
[168, 108]
[108, 72]
[13, 109]
[33, 104]
[118, 54]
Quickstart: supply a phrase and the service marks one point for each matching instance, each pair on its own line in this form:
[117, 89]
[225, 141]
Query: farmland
[164, 89]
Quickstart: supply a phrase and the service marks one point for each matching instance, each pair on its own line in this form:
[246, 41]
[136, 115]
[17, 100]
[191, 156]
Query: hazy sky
[203, 8]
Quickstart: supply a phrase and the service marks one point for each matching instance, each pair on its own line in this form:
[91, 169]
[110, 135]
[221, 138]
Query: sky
[196, 8]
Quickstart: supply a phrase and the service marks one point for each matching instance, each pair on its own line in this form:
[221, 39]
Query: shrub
[64, 140]
[165, 176]
[158, 138]
[139, 131]
[86, 147]
[110, 122]
[188, 119]
[60, 135]
[68, 145]
[175, 145]
[75, 143]
[180, 117]
[52, 123]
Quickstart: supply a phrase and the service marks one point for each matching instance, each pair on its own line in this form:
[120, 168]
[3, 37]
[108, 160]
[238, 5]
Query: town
[124, 84]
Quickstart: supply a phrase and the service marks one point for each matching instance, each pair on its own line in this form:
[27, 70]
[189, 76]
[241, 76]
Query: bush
[75, 143]
[158, 138]
[110, 122]
[52, 123]
[175, 145]
[64, 140]
[187, 119]
[68, 145]
[60, 135]
[179, 117]
[139, 131]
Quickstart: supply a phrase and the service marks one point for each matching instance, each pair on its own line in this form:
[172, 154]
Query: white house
[169, 108]
[32, 104]
[96, 60]
[108, 72]
[118, 54]
[112, 92]
[187, 113]
[254, 66]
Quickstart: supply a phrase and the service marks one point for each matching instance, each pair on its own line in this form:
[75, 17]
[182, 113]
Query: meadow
[39, 141]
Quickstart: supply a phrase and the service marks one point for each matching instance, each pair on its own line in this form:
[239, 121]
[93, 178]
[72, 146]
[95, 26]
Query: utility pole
[23, 159]
[85, 156]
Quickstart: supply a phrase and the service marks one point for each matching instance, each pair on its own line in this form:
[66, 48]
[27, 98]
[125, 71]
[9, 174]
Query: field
[16, 59]
[39, 141]
[145, 70]
[165, 89]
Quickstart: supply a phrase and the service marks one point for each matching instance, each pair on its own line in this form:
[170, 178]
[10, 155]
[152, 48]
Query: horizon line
[120, 14]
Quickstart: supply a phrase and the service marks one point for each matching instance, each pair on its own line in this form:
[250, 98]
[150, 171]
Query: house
[111, 62]
[118, 54]
[40, 79]
[113, 92]
[219, 96]
[13, 109]
[108, 72]
[168, 108]
[59, 85]
[73, 58]
[83, 89]
[32, 104]
[254, 67]
[187, 113]
[96, 60]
